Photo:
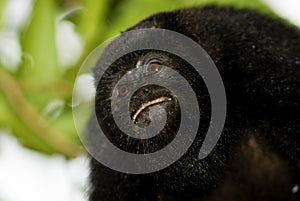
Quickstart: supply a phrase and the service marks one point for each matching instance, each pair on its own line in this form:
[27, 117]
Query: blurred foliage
[40, 79]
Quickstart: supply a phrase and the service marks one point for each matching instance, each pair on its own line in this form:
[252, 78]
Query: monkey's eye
[123, 90]
[153, 67]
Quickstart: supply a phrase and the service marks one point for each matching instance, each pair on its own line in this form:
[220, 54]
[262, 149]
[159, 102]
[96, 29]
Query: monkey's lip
[148, 104]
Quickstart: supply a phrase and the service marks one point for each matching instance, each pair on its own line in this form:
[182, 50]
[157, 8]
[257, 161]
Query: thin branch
[33, 120]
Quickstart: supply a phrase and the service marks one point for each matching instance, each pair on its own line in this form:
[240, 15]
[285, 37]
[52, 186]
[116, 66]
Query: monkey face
[142, 96]
[127, 80]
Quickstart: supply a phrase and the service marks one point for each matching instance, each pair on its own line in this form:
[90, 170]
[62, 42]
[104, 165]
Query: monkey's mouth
[147, 97]
[145, 106]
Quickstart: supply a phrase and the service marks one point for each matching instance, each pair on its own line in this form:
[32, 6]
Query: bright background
[42, 46]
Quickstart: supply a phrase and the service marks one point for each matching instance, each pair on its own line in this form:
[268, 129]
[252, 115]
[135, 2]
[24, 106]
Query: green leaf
[92, 23]
[39, 42]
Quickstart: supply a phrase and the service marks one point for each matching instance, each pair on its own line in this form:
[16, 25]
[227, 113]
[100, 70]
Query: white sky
[289, 9]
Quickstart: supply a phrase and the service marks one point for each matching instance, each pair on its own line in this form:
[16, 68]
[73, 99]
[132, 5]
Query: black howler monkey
[258, 154]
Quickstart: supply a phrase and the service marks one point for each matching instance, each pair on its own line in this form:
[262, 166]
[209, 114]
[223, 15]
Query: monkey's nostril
[145, 90]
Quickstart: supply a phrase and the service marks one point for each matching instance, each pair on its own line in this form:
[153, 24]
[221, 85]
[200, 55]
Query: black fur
[258, 155]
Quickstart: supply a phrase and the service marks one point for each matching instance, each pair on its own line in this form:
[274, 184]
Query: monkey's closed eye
[123, 90]
[154, 67]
